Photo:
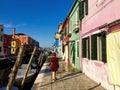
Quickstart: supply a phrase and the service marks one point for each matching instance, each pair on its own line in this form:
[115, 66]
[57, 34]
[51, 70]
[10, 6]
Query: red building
[7, 44]
[65, 40]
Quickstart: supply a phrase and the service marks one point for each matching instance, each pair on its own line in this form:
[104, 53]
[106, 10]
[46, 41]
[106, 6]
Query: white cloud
[8, 25]
[20, 25]
[16, 26]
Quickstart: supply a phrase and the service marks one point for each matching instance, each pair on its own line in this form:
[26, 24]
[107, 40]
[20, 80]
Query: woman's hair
[54, 53]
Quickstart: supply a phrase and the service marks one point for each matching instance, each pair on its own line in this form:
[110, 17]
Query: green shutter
[81, 9]
[74, 53]
[84, 48]
[86, 7]
[103, 47]
[88, 47]
[94, 47]
[78, 49]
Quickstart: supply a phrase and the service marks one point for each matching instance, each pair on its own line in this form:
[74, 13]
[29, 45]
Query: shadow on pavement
[66, 77]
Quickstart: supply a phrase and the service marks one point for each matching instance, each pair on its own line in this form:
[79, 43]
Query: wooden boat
[13, 88]
[21, 73]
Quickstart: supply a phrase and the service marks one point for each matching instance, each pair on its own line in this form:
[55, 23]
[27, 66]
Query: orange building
[21, 38]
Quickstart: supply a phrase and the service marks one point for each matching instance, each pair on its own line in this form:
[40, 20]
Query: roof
[20, 34]
[74, 3]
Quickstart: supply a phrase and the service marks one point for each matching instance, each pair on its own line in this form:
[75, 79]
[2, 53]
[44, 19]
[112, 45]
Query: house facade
[74, 40]
[1, 41]
[60, 45]
[56, 42]
[7, 44]
[65, 40]
[100, 36]
[21, 38]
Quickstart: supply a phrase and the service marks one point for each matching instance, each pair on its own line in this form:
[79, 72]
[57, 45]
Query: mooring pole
[27, 69]
[15, 68]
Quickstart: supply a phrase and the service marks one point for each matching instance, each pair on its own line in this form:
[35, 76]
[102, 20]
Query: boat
[21, 73]
[13, 88]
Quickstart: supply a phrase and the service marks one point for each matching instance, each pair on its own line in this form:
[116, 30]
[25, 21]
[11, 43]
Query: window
[61, 36]
[70, 26]
[85, 48]
[5, 51]
[72, 52]
[1, 38]
[98, 46]
[77, 19]
[83, 8]
[0, 49]
[4, 40]
[78, 45]
[94, 47]
[65, 31]
[1, 29]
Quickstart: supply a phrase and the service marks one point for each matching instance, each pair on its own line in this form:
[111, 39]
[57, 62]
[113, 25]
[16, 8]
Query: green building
[74, 30]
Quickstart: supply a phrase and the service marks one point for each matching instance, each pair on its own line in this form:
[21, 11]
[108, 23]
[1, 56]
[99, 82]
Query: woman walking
[54, 65]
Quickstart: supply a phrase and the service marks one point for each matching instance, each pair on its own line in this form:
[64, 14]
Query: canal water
[5, 68]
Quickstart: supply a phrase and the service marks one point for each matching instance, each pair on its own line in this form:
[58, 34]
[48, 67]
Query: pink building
[100, 43]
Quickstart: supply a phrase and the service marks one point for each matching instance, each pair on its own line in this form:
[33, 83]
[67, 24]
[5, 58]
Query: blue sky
[36, 18]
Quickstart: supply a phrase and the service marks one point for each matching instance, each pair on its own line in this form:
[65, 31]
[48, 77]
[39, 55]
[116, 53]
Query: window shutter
[103, 47]
[81, 9]
[86, 7]
[78, 49]
[88, 48]
[94, 47]
[84, 48]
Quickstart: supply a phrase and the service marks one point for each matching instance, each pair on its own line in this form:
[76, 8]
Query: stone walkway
[68, 79]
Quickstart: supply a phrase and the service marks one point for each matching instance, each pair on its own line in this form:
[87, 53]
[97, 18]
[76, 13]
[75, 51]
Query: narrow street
[67, 79]
[83, 34]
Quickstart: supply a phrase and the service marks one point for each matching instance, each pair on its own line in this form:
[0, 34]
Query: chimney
[13, 32]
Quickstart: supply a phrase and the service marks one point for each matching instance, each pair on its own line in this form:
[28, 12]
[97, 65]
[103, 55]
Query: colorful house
[1, 41]
[56, 42]
[60, 45]
[100, 36]
[74, 40]
[7, 44]
[21, 38]
[65, 40]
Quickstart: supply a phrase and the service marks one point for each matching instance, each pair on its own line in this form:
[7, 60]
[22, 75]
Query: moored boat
[13, 88]
[21, 73]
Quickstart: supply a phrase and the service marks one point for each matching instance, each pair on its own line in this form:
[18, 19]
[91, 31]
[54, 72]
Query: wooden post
[27, 69]
[39, 63]
[15, 68]
[40, 59]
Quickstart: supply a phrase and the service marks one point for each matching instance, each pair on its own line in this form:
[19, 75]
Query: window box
[76, 30]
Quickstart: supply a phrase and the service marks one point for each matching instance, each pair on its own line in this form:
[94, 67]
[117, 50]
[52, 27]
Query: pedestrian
[54, 65]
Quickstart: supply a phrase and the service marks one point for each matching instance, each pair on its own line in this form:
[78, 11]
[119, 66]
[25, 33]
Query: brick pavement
[68, 79]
